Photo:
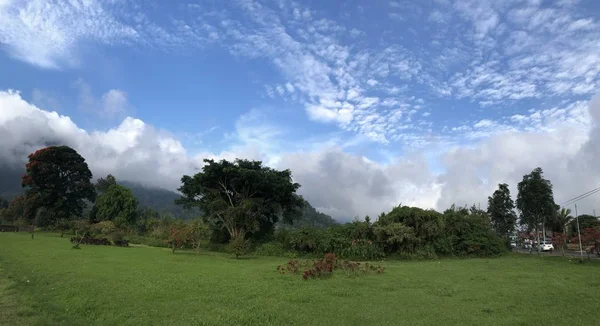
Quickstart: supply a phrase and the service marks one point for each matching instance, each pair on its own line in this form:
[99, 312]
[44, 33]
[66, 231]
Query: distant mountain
[10, 182]
[310, 217]
[160, 200]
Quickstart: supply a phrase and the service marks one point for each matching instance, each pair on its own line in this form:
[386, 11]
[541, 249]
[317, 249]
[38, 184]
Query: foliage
[395, 236]
[22, 208]
[179, 237]
[116, 204]
[590, 239]
[90, 241]
[326, 266]
[60, 179]
[239, 246]
[561, 221]
[426, 225]
[3, 203]
[585, 222]
[559, 241]
[242, 197]
[62, 225]
[501, 211]
[363, 249]
[535, 200]
[406, 232]
[468, 233]
[104, 227]
[189, 234]
[103, 184]
[271, 249]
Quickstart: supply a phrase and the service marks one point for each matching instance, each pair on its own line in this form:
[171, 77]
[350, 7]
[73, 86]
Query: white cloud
[337, 182]
[112, 104]
[46, 33]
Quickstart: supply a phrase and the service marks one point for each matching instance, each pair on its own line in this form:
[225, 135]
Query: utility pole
[579, 233]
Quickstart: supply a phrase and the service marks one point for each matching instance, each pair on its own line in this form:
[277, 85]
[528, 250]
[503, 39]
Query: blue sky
[380, 80]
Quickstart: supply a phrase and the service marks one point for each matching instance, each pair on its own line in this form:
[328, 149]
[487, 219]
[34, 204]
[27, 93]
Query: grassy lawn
[44, 281]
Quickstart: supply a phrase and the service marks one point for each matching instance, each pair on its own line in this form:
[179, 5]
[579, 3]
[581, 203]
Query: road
[569, 253]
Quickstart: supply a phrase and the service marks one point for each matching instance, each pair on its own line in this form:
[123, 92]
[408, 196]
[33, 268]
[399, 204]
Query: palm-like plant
[563, 218]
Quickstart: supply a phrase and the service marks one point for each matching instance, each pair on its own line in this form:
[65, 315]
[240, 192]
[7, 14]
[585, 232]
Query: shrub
[271, 249]
[104, 227]
[325, 267]
[363, 250]
[90, 241]
[121, 243]
[356, 268]
[239, 246]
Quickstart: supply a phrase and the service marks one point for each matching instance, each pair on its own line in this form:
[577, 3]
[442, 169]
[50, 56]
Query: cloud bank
[335, 181]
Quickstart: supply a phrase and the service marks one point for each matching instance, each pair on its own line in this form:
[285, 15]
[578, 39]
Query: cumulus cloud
[131, 151]
[335, 181]
[112, 104]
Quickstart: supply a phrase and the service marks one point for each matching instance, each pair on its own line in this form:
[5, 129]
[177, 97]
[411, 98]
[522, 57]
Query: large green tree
[117, 204]
[585, 221]
[501, 211]
[243, 197]
[61, 179]
[535, 201]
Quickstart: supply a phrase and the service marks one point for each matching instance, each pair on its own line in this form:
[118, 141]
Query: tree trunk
[537, 237]
[32, 231]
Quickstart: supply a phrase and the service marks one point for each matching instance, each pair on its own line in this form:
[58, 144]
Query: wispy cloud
[47, 33]
[364, 80]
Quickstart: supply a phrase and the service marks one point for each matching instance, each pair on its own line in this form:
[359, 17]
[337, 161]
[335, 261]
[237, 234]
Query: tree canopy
[243, 196]
[117, 204]
[585, 222]
[103, 184]
[535, 200]
[61, 180]
[3, 203]
[501, 211]
[561, 221]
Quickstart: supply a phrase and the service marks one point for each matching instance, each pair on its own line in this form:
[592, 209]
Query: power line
[580, 197]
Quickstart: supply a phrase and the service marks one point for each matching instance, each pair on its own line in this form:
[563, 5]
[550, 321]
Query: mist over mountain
[155, 198]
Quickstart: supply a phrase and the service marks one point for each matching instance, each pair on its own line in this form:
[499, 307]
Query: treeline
[246, 206]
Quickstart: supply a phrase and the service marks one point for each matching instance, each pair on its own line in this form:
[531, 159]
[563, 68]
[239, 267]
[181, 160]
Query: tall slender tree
[535, 201]
[501, 210]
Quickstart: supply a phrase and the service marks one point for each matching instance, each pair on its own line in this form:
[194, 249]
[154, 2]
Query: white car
[546, 246]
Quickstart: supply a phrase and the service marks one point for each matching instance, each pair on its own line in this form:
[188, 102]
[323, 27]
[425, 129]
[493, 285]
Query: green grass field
[45, 282]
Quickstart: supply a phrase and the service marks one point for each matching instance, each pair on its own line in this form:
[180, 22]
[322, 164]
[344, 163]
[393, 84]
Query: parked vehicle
[546, 246]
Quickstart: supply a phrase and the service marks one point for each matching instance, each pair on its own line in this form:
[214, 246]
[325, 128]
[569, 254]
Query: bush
[239, 246]
[363, 250]
[104, 227]
[90, 241]
[270, 249]
[322, 268]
